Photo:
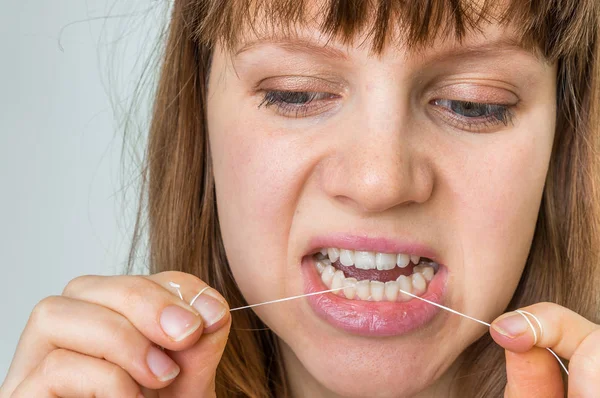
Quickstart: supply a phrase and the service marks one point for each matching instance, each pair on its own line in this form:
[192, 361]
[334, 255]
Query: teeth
[419, 284]
[327, 275]
[391, 290]
[363, 289]
[364, 260]
[426, 271]
[373, 290]
[333, 254]
[347, 257]
[350, 287]
[402, 260]
[338, 281]
[370, 260]
[320, 266]
[404, 283]
[377, 290]
[385, 261]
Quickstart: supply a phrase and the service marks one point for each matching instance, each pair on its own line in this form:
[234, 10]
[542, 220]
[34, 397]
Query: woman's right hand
[100, 337]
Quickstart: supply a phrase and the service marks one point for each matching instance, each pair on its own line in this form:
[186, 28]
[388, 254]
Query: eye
[298, 103]
[475, 115]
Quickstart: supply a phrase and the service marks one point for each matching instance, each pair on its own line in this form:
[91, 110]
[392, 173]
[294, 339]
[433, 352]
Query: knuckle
[544, 306]
[117, 379]
[107, 379]
[586, 360]
[52, 362]
[74, 285]
[43, 311]
[137, 290]
[585, 365]
[122, 332]
[180, 277]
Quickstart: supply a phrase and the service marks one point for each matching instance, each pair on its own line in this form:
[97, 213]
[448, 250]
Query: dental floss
[521, 312]
[285, 299]
[198, 295]
[176, 286]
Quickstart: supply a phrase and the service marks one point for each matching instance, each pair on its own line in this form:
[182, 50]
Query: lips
[377, 315]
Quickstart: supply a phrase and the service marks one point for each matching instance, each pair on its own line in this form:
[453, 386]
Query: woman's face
[440, 154]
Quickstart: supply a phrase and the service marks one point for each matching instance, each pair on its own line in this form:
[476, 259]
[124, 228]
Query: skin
[379, 160]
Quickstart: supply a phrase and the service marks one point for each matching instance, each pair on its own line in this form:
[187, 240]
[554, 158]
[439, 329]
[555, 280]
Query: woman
[443, 148]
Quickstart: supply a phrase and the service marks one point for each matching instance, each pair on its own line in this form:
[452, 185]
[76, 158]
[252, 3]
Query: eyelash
[492, 114]
[282, 100]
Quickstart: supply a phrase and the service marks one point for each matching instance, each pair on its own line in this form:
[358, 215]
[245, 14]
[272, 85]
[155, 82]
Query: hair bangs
[556, 28]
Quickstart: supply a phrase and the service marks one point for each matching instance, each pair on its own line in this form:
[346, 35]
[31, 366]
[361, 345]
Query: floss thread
[523, 313]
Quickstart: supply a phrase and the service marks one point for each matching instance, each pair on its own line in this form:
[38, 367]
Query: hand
[531, 370]
[99, 339]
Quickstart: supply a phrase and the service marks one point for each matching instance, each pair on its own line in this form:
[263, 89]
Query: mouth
[370, 301]
[372, 276]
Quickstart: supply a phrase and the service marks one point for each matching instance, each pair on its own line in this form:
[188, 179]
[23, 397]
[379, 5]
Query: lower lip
[370, 318]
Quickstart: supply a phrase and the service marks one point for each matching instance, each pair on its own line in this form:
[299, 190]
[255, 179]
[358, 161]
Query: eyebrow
[308, 46]
[496, 46]
[296, 45]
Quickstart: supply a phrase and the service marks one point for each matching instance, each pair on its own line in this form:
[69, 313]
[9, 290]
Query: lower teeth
[375, 290]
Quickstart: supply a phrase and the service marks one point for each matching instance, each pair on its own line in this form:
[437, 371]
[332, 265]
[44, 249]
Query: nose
[380, 167]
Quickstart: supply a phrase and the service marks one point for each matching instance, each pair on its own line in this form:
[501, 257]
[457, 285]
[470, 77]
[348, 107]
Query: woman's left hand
[531, 370]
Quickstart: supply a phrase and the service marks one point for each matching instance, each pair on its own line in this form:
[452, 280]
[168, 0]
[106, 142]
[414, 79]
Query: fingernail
[211, 309]
[178, 322]
[511, 325]
[161, 364]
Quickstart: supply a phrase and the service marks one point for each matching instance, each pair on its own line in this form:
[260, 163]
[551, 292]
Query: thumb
[534, 373]
[530, 371]
[199, 362]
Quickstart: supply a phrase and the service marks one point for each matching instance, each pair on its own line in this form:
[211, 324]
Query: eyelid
[483, 124]
[477, 92]
[302, 83]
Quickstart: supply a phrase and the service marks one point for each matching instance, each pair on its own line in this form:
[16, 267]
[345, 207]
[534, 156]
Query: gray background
[67, 73]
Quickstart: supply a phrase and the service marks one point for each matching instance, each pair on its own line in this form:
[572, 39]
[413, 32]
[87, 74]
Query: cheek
[256, 178]
[496, 200]
[259, 175]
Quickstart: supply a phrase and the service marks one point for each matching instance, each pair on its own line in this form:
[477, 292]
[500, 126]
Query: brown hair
[178, 187]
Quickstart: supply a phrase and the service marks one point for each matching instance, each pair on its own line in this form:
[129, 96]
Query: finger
[67, 374]
[198, 363]
[191, 288]
[532, 374]
[99, 332]
[142, 301]
[584, 380]
[562, 330]
[159, 315]
[568, 334]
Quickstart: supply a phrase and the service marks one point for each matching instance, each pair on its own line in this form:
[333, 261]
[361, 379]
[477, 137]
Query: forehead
[490, 38]
[554, 27]
[415, 25]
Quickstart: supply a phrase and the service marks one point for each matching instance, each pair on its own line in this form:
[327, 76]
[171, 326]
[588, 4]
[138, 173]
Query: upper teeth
[370, 260]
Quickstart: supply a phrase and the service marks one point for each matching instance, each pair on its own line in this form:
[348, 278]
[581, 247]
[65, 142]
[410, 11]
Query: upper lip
[372, 244]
